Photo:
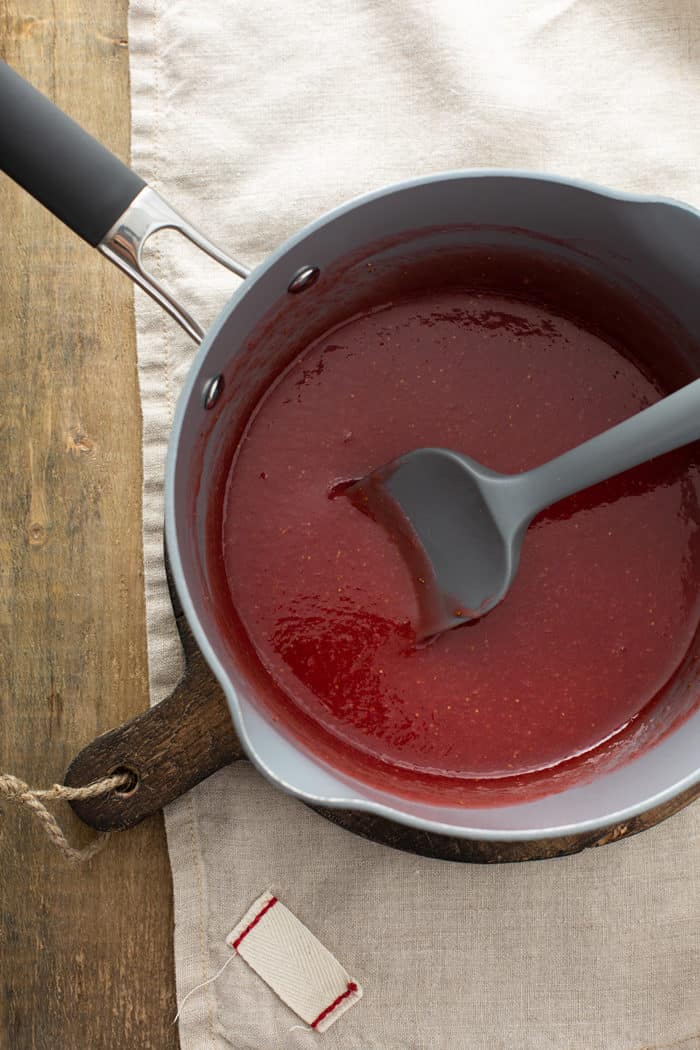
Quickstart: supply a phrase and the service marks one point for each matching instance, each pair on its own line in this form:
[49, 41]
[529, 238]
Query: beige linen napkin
[253, 118]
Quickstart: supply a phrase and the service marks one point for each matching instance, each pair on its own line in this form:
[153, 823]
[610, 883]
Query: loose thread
[197, 987]
[15, 790]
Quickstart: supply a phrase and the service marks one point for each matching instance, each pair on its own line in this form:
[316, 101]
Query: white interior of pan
[653, 243]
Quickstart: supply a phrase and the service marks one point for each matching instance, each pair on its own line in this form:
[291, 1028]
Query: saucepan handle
[90, 190]
[63, 167]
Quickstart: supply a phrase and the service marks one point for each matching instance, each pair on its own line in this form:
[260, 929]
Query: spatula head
[439, 507]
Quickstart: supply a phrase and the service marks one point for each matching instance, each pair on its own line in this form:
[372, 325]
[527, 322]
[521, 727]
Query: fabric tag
[294, 963]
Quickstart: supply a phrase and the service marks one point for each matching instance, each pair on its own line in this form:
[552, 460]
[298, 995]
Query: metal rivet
[212, 391]
[303, 279]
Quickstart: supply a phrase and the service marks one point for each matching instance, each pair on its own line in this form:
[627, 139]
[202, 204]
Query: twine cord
[202, 985]
[15, 790]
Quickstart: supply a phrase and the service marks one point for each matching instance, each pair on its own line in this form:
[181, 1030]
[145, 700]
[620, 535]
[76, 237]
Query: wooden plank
[85, 953]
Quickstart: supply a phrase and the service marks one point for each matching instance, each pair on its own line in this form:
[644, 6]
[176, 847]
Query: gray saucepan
[650, 243]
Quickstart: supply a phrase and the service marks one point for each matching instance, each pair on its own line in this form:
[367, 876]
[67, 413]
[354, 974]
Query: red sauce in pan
[604, 605]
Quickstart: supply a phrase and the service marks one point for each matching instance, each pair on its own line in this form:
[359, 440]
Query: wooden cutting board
[177, 744]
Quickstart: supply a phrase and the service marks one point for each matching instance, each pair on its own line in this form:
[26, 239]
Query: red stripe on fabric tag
[256, 920]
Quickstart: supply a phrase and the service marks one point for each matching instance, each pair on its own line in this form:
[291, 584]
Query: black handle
[63, 167]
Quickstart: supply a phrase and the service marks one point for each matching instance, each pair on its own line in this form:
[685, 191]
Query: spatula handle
[669, 424]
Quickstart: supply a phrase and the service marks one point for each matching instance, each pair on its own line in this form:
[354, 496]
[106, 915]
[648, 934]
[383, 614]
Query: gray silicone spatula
[463, 525]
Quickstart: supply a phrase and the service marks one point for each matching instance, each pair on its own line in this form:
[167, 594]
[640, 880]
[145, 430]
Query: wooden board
[188, 736]
[86, 953]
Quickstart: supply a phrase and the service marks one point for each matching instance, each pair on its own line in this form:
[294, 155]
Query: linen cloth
[252, 119]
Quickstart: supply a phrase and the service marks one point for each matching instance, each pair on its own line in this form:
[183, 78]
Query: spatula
[462, 525]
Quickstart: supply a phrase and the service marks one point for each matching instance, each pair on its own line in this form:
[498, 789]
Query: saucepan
[324, 271]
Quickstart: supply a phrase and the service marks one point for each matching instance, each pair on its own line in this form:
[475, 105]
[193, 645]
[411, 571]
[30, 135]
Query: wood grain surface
[85, 953]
